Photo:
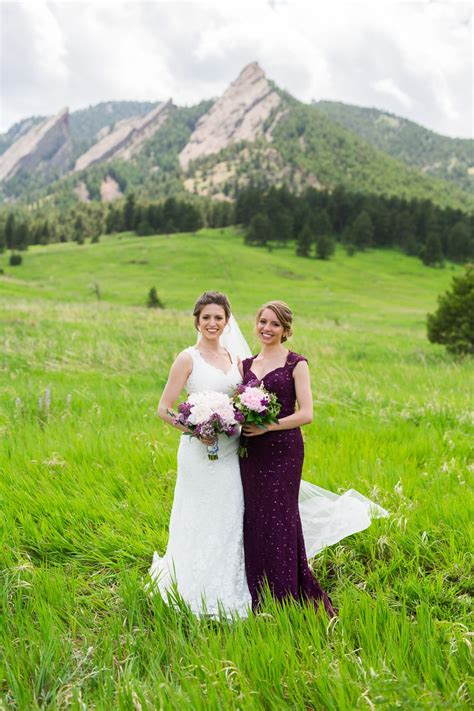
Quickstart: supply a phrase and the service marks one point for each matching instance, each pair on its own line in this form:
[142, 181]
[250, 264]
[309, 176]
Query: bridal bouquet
[255, 405]
[208, 414]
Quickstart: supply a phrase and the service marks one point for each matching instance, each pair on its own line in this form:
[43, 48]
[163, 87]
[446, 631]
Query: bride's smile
[212, 322]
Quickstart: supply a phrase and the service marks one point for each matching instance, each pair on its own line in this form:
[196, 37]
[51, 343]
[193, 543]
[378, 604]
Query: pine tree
[154, 301]
[321, 223]
[154, 216]
[282, 224]
[170, 216]
[248, 204]
[322, 231]
[304, 241]
[190, 219]
[79, 230]
[460, 242]
[20, 238]
[259, 231]
[129, 213]
[432, 254]
[340, 208]
[383, 225]
[114, 221]
[324, 246]
[404, 231]
[45, 233]
[362, 231]
[144, 229]
[10, 230]
[453, 323]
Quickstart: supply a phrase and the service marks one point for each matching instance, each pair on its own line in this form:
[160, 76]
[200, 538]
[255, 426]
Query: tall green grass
[88, 475]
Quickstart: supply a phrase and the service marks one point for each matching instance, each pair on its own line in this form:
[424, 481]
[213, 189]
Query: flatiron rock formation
[126, 138]
[239, 115]
[47, 145]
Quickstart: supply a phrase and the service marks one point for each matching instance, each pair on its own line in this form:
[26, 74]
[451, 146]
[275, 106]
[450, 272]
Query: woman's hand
[254, 430]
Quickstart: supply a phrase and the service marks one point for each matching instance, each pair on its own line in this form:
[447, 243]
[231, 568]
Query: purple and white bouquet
[208, 414]
[255, 405]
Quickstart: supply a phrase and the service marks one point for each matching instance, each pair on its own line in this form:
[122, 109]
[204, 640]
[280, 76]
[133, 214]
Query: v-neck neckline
[280, 367]
[225, 373]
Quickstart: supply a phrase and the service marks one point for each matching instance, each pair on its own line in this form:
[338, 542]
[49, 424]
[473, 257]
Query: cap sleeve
[295, 358]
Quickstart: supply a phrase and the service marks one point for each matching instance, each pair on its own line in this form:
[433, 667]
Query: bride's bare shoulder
[183, 360]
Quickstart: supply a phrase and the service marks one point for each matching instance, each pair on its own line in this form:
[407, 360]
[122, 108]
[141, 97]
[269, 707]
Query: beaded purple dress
[271, 475]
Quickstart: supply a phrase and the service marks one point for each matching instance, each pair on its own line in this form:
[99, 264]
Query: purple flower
[184, 408]
[255, 383]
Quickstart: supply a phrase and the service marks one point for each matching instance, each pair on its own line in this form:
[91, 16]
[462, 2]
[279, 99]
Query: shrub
[15, 260]
[453, 323]
[154, 301]
[324, 247]
[304, 241]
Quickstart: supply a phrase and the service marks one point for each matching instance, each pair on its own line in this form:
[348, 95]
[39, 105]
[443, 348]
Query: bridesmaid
[271, 473]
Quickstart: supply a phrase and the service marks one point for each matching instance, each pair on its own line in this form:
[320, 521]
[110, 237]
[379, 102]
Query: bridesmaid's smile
[270, 331]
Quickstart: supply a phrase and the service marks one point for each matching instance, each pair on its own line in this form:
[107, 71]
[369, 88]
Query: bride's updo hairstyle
[284, 315]
[211, 297]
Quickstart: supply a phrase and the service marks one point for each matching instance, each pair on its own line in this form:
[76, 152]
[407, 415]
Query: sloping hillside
[451, 159]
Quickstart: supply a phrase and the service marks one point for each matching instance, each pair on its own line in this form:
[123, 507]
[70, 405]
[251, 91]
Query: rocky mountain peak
[239, 115]
[126, 138]
[46, 145]
[250, 73]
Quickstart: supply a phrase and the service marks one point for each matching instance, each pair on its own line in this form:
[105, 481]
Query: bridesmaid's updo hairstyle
[211, 297]
[284, 315]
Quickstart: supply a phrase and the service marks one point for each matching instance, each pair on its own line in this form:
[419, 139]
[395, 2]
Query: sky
[413, 59]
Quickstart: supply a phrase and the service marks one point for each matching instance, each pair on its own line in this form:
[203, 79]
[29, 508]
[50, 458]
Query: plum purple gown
[271, 475]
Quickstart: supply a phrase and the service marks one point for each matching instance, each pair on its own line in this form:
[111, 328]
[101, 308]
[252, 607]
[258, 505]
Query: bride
[204, 561]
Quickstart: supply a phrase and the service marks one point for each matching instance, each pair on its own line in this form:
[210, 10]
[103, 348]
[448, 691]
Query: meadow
[87, 477]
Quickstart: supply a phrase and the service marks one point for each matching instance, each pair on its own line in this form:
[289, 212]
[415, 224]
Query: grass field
[88, 474]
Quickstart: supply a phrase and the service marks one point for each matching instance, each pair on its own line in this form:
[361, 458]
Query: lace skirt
[204, 561]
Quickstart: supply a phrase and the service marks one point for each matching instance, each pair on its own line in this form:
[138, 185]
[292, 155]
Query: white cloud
[48, 40]
[412, 58]
[388, 86]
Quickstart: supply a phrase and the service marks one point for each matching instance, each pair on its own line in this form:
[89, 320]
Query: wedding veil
[233, 340]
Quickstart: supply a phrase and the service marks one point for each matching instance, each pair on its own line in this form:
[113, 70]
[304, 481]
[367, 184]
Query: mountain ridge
[445, 157]
[254, 132]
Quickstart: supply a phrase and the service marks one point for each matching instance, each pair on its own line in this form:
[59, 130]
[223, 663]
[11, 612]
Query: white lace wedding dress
[204, 560]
